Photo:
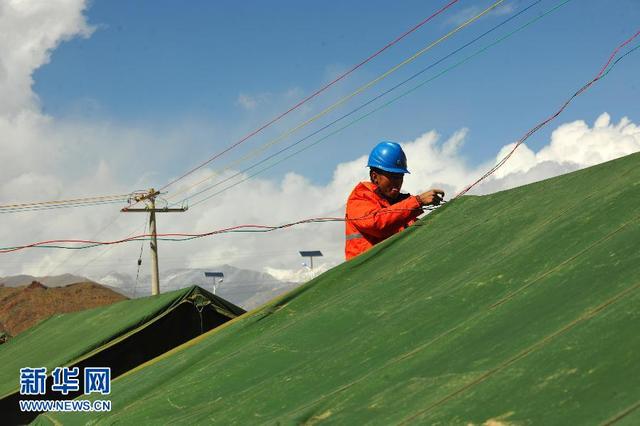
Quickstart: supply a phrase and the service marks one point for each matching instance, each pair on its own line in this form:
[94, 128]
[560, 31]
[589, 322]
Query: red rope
[314, 94]
[250, 227]
[550, 118]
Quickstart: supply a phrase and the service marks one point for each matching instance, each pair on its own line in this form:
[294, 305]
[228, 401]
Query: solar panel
[311, 253]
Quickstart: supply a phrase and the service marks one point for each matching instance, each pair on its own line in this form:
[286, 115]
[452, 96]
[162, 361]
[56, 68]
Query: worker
[377, 210]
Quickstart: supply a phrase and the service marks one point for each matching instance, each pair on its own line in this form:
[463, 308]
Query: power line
[62, 205]
[102, 253]
[391, 101]
[68, 203]
[179, 236]
[317, 92]
[258, 150]
[349, 114]
[55, 202]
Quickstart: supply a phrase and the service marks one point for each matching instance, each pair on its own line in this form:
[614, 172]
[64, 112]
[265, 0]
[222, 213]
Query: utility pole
[150, 197]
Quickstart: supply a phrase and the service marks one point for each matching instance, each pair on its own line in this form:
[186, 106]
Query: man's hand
[432, 197]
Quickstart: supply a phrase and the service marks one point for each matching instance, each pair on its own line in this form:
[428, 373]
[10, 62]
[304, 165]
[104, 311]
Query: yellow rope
[361, 89]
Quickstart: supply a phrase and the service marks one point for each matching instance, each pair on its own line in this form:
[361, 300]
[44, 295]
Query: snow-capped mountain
[242, 287]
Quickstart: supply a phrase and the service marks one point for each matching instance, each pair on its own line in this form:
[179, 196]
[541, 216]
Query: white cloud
[577, 143]
[573, 146]
[247, 102]
[436, 165]
[467, 13]
[303, 274]
[30, 31]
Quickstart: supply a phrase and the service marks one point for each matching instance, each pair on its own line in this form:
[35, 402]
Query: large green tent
[120, 336]
[520, 307]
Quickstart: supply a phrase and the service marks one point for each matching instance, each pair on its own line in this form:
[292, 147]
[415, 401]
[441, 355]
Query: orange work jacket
[371, 218]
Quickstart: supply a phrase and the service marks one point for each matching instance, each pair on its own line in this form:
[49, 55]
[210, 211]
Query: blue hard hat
[388, 156]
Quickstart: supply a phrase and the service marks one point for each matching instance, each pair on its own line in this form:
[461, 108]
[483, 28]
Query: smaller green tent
[120, 336]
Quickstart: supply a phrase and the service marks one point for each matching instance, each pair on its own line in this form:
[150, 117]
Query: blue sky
[107, 97]
[154, 63]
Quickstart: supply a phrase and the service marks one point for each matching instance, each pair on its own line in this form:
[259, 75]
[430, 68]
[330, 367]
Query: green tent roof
[518, 307]
[101, 335]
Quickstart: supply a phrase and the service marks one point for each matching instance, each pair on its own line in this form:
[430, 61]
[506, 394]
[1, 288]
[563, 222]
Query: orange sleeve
[369, 218]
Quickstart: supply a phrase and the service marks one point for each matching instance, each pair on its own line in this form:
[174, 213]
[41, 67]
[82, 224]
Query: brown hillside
[24, 307]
